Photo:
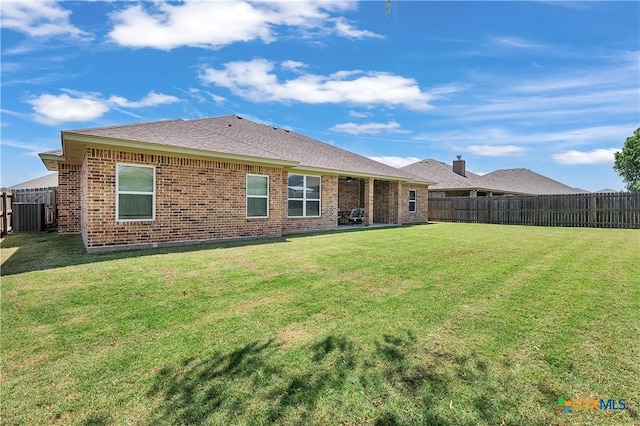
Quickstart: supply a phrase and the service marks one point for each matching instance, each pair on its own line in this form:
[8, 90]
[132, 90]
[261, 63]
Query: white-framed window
[304, 196]
[257, 196]
[412, 201]
[135, 192]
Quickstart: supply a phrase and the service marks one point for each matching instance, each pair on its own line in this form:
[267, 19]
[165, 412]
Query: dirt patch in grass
[250, 305]
[293, 334]
[170, 274]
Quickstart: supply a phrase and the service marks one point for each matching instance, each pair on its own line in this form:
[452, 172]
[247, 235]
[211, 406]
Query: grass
[450, 324]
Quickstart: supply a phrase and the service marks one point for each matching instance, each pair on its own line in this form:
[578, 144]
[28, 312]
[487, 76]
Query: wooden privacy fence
[46, 196]
[5, 212]
[29, 210]
[601, 210]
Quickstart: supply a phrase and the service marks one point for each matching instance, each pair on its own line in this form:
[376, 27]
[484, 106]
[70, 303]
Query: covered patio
[367, 201]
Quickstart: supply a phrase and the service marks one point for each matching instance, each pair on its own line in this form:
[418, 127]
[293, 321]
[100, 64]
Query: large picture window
[412, 201]
[135, 187]
[304, 196]
[257, 196]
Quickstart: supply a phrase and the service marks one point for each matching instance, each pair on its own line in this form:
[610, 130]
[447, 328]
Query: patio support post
[398, 197]
[368, 201]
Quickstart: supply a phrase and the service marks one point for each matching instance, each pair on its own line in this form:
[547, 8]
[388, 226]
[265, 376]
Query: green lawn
[451, 324]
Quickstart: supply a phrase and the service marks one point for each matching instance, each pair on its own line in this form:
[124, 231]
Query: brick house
[186, 181]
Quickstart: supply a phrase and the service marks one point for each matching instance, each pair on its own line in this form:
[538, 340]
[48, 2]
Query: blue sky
[549, 86]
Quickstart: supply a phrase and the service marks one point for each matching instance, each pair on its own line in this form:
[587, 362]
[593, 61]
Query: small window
[257, 196]
[303, 196]
[412, 201]
[135, 187]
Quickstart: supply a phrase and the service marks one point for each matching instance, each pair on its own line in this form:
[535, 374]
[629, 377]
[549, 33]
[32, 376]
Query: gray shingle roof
[238, 136]
[513, 181]
[179, 133]
[46, 181]
[446, 178]
[528, 182]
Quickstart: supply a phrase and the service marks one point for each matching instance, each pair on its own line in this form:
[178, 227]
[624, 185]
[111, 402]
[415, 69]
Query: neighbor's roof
[446, 178]
[511, 181]
[528, 182]
[232, 135]
[47, 181]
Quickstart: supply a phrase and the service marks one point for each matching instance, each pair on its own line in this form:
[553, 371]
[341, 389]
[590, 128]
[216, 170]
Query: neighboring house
[455, 181]
[48, 181]
[452, 181]
[41, 191]
[524, 181]
[182, 181]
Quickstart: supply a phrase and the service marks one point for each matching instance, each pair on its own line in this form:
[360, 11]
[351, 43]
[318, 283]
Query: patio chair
[356, 216]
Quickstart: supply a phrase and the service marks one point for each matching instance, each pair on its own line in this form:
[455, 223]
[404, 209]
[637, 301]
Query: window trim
[247, 196]
[152, 193]
[304, 198]
[414, 201]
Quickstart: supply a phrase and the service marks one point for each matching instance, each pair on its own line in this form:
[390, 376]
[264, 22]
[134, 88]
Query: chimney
[458, 166]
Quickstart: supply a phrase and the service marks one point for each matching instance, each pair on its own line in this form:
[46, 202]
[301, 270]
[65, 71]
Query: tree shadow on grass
[39, 251]
[393, 383]
[44, 251]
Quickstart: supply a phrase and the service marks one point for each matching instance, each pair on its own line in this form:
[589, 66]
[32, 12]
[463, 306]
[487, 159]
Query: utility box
[28, 217]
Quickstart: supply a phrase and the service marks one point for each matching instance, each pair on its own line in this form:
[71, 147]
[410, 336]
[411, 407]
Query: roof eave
[51, 160]
[355, 174]
[172, 149]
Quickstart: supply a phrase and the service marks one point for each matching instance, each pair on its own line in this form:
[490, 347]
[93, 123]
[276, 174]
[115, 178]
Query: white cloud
[344, 29]
[51, 109]
[358, 114]
[74, 106]
[255, 80]
[216, 24]
[38, 19]
[219, 100]
[496, 150]
[505, 137]
[396, 161]
[151, 99]
[32, 149]
[517, 43]
[557, 97]
[596, 156]
[292, 65]
[369, 128]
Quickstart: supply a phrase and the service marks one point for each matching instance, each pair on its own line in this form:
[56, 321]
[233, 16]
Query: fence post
[490, 209]
[4, 213]
[592, 210]
[7, 199]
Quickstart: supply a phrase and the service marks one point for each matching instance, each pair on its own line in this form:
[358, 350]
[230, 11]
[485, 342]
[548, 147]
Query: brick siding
[204, 199]
[196, 200]
[385, 202]
[69, 199]
[350, 194]
[422, 203]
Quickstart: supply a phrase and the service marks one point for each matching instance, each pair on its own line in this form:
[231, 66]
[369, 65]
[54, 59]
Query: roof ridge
[119, 126]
